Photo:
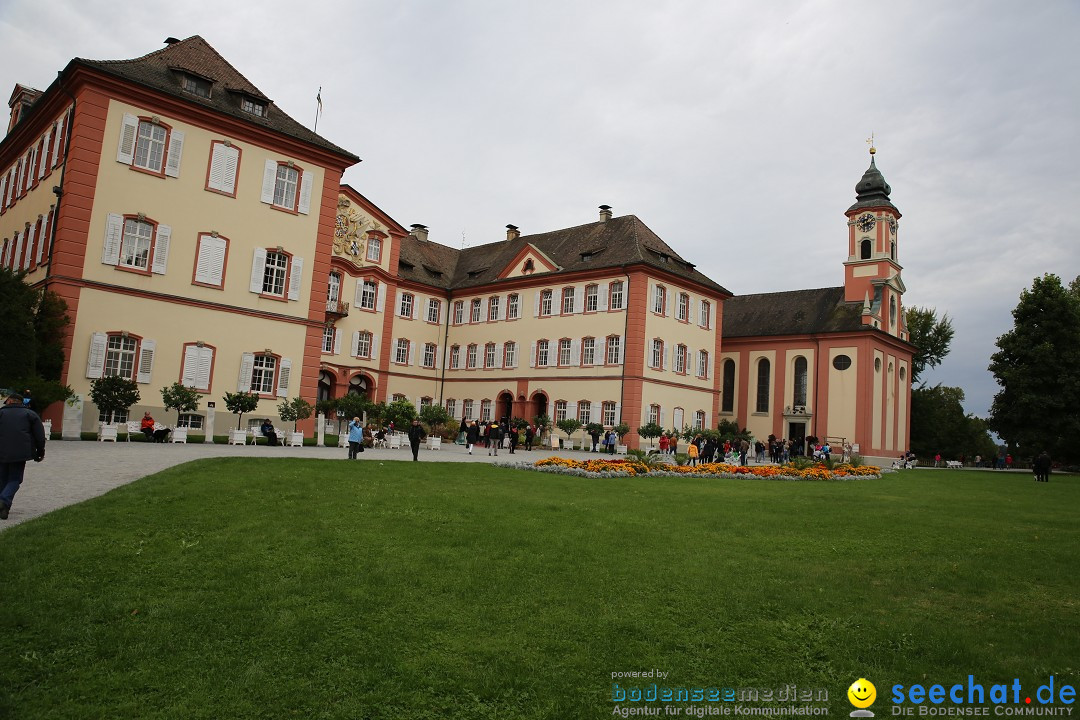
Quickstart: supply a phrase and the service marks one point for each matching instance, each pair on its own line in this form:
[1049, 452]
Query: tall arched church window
[799, 397]
[727, 399]
[763, 382]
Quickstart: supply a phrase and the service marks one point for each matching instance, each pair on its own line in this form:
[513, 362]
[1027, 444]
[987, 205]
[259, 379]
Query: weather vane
[870, 142]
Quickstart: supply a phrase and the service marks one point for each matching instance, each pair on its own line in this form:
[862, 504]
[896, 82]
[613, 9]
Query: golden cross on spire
[870, 142]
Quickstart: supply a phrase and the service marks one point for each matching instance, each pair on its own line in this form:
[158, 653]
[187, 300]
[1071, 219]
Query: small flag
[318, 98]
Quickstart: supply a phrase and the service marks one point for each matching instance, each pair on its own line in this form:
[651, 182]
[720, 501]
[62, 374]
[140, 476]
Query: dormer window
[586, 256]
[196, 85]
[253, 107]
[664, 258]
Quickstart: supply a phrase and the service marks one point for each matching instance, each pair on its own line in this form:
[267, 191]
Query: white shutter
[337, 341]
[56, 139]
[190, 372]
[206, 361]
[7, 246]
[44, 239]
[3, 190]
[176, 150]
[536, 304]
[374, 346]
[649, 355]
[16, 258]
[483, 310]
[575, 352]
[296, 275]
[216, 181]
[283, 377]
[305, 192]
[500, 353]
[129, 128]
[438, 357]
[668, 353]
[247, 365]
[410, 359]
[114, 230]
[651, 298]
[28, 251]
[596, 415]
[571, 410]
[146, 361]
[579, 299]
[43, 157]
[416, 307]
[622, 348]
[355, 344]
[228, 175]
[661, 417]
[618, 413]
[258, 267]
[95, 361]
[380, 300]
[161, 250]
[669, 295]
[502, 307]
[211, 261]
[532, 356]
[269, 180]
[602, 297]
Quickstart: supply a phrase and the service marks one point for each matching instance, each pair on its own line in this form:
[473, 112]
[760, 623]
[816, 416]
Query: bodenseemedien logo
[862, 694]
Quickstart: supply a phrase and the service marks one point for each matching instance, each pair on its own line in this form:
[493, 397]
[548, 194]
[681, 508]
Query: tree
[32, 355]
[1037, 366]
[401, 413]
[930, 336]
[240, 403]
[294, 410]
[944, 428]
[181, 399]
[114, 394]
[569, 426]
[351, 406]
[650, 431]
[622, 430]
[729, 430]
[434, 416]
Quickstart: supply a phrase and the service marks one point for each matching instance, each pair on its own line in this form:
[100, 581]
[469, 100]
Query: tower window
[864, 249]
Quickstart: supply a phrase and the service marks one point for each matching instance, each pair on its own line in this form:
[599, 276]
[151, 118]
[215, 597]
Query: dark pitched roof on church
[195, 56]
[617, 242]
[796, 312]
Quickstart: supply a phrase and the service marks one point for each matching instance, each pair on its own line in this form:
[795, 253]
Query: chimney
[605, 213]
[419, 232]
[512, 232]
[171, 40]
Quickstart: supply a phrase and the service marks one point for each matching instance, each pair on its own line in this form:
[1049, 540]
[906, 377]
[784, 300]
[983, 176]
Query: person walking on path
[356, 437]
[416, 434]
[494, 438]
[1041, 467]
[472, 436]
[22, 438]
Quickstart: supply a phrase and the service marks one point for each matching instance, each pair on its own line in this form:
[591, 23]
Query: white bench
[393, 441]
[133, 426]
[238, 437]
[296, 439]
[107, 432]
[954, 464]
[179, 435]
[434, 442]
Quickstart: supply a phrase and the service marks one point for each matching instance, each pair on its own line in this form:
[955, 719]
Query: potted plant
[240, 403]
[650, 431]
[113, 394]
[183, 400]
[569, 426]
[621, 430]
[434, 416]
[293, 411]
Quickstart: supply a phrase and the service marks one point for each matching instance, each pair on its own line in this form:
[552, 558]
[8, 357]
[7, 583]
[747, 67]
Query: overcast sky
[735, 130]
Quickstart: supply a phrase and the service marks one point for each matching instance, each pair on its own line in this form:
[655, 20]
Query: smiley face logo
[862, 693]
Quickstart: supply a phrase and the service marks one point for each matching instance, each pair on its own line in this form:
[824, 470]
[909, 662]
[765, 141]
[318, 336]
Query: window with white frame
[703, 363]
[493, 308]
[489, 355]
[706, 314]
[485, 410]
[120, 357]
[150, 147]
[560, 410]
[608, 410]
[564, 351]
[374, 248]
[135, 246]
[680, 359]
[588, 351]
[659, 299]
[285, 186]
[333, 290]
[405, 307]
[510, 355]
[451, 407]
[475, 314]
[434, 310]
[470, 356]
[274, 273]
[614, 350]
[401, 351]
[657, 354]
[262, 374]
[328, 339]
[253, 107]
[425, 402]
[363, 344]
[545, 302]
[397, 397]
[654, 414]
[513, 306]
[683, 310]
[592, 296]
[190, 421]
[584, 412]
[699, 420]
[368, 291]
[467, 410]
[567, 301]
[455, 357]
[542, 353]
[429, 355]
[119, 417]
[459, 312]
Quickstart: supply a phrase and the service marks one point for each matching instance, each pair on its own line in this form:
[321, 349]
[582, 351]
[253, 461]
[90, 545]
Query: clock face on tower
[865, 222]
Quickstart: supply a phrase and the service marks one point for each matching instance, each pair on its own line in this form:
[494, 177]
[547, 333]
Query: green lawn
[272, 588]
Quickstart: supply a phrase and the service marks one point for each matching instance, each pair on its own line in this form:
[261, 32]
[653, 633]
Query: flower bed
[633, 468]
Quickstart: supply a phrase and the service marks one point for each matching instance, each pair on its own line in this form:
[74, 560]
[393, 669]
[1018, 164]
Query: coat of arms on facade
[350, 231]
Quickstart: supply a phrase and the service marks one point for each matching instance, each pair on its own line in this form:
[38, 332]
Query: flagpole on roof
[318, 109]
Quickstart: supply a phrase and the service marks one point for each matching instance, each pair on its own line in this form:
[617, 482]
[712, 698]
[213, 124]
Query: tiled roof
[195, 56]
[427, 262]
[617, 242]
[797, 312]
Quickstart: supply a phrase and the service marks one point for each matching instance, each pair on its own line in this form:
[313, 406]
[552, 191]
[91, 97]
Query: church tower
[872, 271]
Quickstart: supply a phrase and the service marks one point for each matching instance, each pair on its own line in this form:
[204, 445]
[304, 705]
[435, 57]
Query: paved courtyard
[74, 470]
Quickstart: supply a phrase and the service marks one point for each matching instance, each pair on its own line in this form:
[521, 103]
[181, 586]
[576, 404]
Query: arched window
[763, 382]
[728, 397]
[892, 310]
[864, 249]
[799, 397]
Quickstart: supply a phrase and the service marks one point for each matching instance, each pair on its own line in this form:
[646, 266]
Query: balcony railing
[337, 308]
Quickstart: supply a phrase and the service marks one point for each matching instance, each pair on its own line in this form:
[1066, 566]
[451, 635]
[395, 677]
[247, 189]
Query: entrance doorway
[797, 435]
[540, 405]
[506, 407]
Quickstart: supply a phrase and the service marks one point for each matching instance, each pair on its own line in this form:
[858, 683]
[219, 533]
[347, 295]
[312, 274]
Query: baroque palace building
[199, 234]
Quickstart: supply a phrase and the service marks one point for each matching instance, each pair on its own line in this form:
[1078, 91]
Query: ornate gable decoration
[530, 260]
[350, 232]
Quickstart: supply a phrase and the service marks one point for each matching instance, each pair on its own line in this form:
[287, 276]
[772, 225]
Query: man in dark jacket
[22, 438]
[472, 436]
[416, 434]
